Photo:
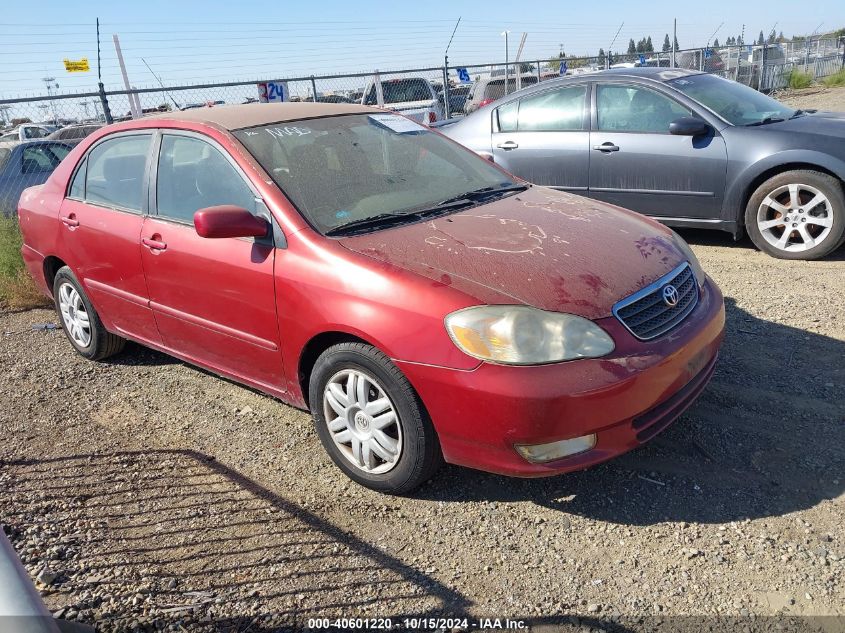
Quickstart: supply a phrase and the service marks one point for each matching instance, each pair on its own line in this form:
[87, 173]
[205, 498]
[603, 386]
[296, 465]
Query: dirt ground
[817, 97]
[147, 494]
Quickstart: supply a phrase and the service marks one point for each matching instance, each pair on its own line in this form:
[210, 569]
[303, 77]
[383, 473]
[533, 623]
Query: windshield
[400, 91]
[342, 169]
[737, 104]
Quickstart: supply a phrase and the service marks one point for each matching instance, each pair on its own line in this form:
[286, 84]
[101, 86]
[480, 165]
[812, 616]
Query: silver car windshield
[344, 169]
[735, 103]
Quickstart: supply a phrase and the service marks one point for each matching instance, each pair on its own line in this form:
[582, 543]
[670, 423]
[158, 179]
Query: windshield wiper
[768, 119]
[485, 192]
[387, 219]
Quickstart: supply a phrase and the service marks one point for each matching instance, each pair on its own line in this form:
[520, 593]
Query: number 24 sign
[272, 91]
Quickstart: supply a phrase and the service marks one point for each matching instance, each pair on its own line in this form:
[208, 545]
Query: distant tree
[677, 46]
[716, 43]
[772, 38]
[667, 45]
[761, 39]
[641, 45]
[601, 56]
[649, 47]
[781, 38]
[632, 48]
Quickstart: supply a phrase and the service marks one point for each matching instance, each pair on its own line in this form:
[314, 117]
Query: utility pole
[133, 106]
[610, 48]
[674, 40]
[447, 110]
[516, 61]
[50, 82]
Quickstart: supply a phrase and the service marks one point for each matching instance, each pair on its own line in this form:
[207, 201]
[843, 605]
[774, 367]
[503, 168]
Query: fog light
[539, 453]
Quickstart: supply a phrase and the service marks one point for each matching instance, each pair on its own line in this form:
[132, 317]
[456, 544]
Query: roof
[235, 117]
[658, 73]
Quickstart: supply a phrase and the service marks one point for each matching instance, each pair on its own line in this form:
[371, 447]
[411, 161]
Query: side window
[77, 187]
[193, 175]
[115, 173]
[635, 109]
[507, 116]
[555, 110]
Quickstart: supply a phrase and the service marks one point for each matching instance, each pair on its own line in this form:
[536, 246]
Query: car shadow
[766, 438]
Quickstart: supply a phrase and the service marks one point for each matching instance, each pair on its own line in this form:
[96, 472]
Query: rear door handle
[70, 220]
[152, 244]
[507, 145]
[606, 147]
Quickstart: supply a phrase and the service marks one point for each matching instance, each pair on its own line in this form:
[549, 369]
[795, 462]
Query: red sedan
[423, 303]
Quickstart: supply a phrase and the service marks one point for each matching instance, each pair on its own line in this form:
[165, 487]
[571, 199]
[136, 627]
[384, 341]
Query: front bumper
[625, 399]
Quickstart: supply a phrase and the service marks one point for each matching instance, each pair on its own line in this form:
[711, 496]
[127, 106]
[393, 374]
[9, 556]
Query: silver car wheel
[74, 314]
[362, 421]
[795, 217]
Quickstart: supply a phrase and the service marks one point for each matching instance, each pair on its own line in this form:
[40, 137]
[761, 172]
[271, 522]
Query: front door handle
[606, 147]
[153, 244]
[507, 145]
[70, 220]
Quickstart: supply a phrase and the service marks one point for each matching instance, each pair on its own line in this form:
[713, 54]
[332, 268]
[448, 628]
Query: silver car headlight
[521, 335]
[697, 270]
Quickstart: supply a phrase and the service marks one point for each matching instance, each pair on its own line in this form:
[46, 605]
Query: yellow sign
[77, 66]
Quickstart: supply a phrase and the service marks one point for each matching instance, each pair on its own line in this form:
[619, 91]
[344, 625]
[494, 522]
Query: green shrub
[17, 288]
[835, 80]
[797, 79]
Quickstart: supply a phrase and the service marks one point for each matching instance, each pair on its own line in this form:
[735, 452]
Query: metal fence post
[763, 70]
[447, 110]
[104, 101]
[539, 74]
[314, 88]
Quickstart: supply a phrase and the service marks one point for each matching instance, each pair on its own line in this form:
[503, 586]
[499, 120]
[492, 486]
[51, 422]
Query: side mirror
[688, 126]
[229, 221]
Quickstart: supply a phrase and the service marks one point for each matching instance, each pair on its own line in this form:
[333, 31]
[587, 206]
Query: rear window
[496, 88]
[4, 156]
[400, 91]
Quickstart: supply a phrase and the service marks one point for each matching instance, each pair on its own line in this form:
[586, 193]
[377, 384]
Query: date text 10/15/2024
[414, 624]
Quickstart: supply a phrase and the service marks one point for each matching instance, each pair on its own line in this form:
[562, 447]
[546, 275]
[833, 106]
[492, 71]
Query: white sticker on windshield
[398, 123]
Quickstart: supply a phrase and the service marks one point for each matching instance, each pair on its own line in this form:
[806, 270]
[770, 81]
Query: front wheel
[371, 421]
[797, 215]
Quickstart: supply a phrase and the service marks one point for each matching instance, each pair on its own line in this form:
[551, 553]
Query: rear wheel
[797, 215]
[80, 321]
[371, 421]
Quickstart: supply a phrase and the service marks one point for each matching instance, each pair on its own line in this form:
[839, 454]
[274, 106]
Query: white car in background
[26, 132]
[414, 97]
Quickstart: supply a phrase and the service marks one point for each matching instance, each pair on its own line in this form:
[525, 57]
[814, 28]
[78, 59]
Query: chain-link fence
[49, 125]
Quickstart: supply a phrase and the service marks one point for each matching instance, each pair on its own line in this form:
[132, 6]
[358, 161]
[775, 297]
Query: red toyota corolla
[424, 304]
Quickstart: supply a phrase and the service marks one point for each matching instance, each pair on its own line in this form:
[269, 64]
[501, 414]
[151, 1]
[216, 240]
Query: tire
[813, 232]
[99, 343]
[393, 457]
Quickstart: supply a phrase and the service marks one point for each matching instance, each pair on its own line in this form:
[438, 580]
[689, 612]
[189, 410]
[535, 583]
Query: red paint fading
[228, 221]
[248, 310]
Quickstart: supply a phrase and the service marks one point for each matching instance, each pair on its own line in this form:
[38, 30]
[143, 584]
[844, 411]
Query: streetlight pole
[507, 67]
[49, 81]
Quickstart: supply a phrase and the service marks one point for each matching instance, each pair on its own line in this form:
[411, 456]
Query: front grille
[645, 313]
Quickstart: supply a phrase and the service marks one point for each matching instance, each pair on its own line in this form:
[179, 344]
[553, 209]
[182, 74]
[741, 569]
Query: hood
[544, 248]
[829, 124]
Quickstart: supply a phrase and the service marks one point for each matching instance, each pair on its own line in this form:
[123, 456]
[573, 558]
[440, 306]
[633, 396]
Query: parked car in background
[24, 165]
[74, 133]
[457, 98]
[488, 89]
[686, 148]
[414, 97]
[423, 303]
[26, 132]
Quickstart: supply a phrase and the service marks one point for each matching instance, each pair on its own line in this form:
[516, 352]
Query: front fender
[738, 191]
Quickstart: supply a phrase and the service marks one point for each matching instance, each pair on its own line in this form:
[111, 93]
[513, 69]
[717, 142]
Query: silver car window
[621, 108]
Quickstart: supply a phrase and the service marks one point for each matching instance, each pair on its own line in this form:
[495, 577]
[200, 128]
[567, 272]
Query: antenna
[160, 83]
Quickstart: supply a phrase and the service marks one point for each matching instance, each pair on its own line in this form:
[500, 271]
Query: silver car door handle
[606, 147]
[507, 145]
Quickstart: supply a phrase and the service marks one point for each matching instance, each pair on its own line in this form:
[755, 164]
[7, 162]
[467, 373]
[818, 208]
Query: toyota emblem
[670, 295]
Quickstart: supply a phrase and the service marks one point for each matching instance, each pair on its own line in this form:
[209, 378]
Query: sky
[192, 42]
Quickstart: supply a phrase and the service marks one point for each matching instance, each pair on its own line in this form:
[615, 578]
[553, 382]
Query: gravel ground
[146, 494]
[817, 97]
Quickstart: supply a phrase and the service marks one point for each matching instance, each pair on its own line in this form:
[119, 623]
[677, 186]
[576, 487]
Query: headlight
[520, 335]
[697, 270]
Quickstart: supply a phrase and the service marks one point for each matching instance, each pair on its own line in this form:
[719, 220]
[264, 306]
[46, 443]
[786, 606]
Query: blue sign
[708, 53]
[642, 60]
[563, 67]
[463, 75]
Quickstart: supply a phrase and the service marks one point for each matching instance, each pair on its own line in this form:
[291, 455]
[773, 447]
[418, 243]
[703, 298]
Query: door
[213, 299]
[635, 162]
[101, 220]
[544, 137]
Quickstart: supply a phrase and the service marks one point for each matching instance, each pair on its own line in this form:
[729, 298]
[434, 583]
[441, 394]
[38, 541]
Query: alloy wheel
[795, 217]
[362, 421]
